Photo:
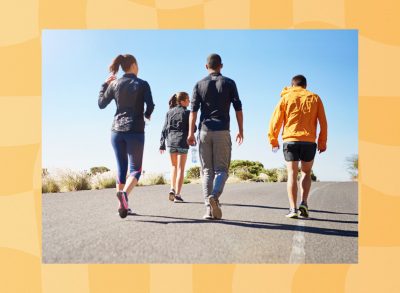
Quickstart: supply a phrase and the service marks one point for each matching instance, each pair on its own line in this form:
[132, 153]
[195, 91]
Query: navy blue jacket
[130, 94]
[213, 95]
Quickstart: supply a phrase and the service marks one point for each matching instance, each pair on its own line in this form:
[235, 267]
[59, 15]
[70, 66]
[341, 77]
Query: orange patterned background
[21, 22]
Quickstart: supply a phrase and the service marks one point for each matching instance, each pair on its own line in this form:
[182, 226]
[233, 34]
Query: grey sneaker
[178, 198]
[208, 215]
[292, 214]
[215, 208]
[303, 209]
[171, 195]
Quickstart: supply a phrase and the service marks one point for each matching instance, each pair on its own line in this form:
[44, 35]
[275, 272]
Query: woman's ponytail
[173, 101]
[125, 61]
[115, 64]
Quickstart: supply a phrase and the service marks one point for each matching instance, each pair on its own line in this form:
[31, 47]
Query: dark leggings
[128, 146]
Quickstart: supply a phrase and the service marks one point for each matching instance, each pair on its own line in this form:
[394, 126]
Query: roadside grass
[152, 179]
[103, 180]
[101, 177]
[74, 181]
[50, 185]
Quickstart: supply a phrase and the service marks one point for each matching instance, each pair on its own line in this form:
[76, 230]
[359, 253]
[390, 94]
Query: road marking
[298, 254]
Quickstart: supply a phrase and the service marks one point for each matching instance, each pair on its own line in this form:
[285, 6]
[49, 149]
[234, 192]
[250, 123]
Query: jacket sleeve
[275, 123]
[148, 99]
[235, 100]
[196, 99]
[164, 133]
[106, 95]
[323, 124]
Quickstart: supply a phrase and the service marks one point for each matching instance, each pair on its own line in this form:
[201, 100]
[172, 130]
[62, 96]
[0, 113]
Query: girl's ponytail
[173, 101]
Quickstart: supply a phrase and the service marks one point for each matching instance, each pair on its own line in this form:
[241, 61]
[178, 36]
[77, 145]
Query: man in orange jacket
[298, 111]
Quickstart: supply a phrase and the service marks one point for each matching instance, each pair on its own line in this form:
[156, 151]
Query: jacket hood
[293, 89]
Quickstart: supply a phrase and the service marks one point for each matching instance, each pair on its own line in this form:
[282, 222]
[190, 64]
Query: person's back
[175, 131]
[127, 134]
[298, 111]
[130, 94]
[301, 110]
[176, 128]
[214, 94]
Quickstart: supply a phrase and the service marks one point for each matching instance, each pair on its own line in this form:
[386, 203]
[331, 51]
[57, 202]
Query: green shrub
[98, 170]
[193, 173]
[272, 174]
[49, 185]
[73, 181]
[186, 181]
[243, 174]
[254, 168]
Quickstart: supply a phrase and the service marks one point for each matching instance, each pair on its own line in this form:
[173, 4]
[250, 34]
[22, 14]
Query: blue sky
[76, 133]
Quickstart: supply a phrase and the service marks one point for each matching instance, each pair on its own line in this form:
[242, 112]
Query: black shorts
[299, 150]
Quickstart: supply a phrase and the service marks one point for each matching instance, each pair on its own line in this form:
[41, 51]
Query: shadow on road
[254, 225]
[271, 207]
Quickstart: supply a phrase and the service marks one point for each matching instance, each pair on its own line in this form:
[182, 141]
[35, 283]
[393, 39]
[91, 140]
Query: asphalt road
[84, 227]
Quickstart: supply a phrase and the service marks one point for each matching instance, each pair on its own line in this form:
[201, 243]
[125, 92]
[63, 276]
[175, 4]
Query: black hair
[214, 61]
[299, 80]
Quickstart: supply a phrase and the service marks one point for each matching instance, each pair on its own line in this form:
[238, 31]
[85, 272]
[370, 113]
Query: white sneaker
[292, 214]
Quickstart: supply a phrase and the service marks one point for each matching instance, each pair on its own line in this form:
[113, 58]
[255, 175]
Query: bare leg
[305, 180]
[292, 170]
[174, 157]
[181, 172]
[130, 184]
[120, 186]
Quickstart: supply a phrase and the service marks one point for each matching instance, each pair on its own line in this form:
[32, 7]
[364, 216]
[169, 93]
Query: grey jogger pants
[215, 149]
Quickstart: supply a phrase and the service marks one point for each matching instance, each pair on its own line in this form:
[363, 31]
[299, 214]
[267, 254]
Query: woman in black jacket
[130, 94]
[175, 131]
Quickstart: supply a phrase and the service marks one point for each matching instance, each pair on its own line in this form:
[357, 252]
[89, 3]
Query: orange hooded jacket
[298, 111]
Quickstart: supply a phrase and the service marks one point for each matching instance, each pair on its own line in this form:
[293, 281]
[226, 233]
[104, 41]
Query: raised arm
[275, 124]
[106, 94]
[323, 134]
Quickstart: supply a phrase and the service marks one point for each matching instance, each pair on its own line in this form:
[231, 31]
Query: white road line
[298, 254]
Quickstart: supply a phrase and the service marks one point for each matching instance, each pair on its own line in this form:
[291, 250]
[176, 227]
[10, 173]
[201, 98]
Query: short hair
[299, 80]
[214, 61]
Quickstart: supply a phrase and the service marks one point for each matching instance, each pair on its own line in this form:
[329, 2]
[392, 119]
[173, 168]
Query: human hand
[275, 148]
[111, 78]
[239, 138]
[191, 140]
[321, 149]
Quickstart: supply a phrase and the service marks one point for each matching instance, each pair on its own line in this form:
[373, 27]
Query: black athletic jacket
[176, 128]
[130, 94]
